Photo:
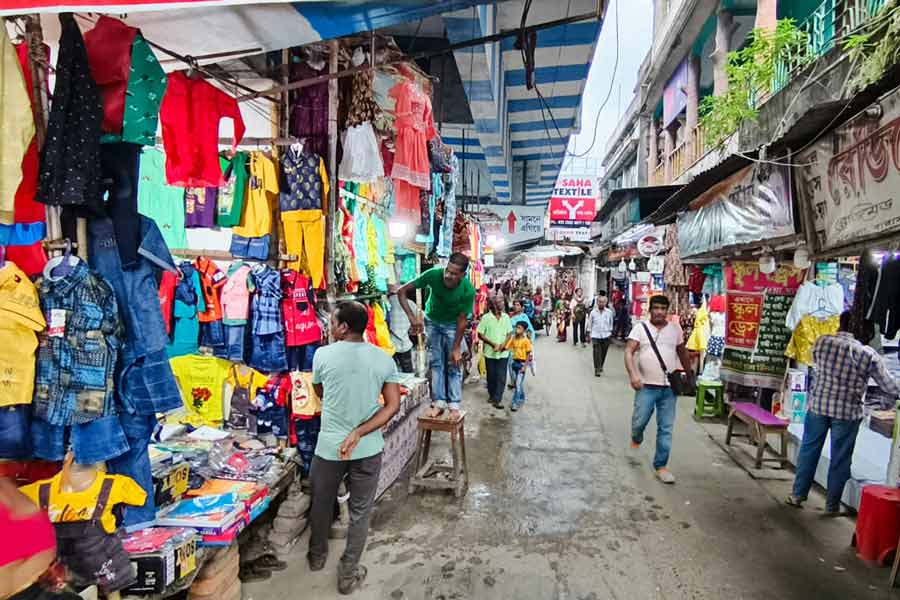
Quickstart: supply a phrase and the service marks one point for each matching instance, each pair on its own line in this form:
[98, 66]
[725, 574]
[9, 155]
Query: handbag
[681, 383]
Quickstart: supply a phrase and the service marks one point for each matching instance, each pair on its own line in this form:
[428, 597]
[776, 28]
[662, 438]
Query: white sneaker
[665, 475]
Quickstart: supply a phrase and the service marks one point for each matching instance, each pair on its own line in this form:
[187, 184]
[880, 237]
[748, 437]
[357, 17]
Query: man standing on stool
[843, 368]
[349, 375]
[601, 326]
[649, 381]
[447, 311]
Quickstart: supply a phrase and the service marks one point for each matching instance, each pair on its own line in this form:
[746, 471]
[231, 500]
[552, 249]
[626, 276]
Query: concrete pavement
[560, 508]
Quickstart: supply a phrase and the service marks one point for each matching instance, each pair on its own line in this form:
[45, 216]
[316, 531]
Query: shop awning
[651, 197]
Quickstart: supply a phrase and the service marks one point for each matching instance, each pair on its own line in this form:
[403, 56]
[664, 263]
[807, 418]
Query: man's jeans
[843, 440]
[600, 347]
[661, 398]
[446, 378]
[519, 367]
[496, 378]
[362, 483]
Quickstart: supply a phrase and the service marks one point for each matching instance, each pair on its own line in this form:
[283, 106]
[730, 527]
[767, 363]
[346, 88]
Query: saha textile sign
[751, 205]
[574, 202]
[756, 337]
[851, 178]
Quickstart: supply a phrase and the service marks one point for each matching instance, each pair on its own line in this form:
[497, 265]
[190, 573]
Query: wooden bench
[427, 472]
[760, 423]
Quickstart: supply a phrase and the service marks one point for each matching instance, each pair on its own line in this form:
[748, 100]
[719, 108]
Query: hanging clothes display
[298, 307]
[27, 209]
[160, 201]
[230, 201]
[17, 122]
[808, 330]
[190, 115]
[411, 170]
[309, 109]
[885, 308]
[70, 158]
[20, 321]
[187, 303]
[267, 350]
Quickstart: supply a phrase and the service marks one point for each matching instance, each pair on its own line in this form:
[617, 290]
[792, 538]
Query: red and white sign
[573, 202]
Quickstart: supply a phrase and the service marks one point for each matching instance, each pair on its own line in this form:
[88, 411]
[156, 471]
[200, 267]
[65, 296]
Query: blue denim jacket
[77, 353]
[143, 363]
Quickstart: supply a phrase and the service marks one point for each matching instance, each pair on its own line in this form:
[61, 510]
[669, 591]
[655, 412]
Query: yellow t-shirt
[20, 318]
[17, 122]
[69, 507]
[521, 347]
[202, 382]
[257, 218]
[808, 330]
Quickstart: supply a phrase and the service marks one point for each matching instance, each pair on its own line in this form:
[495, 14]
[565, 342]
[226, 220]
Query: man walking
[649, 380]
[495, 330]
[349, 375]
[447, 310]
[601, 326]
[843, 368]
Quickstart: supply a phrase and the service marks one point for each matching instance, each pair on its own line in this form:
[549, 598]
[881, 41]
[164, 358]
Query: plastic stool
[710, 408]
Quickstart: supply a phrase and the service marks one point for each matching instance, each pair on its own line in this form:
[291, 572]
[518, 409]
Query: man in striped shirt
[844, 366]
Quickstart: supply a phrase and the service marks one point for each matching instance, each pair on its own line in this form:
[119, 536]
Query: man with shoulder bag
[652, 355]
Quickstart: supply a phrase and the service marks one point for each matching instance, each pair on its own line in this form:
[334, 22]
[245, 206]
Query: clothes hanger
[2, 256]
[61, 266]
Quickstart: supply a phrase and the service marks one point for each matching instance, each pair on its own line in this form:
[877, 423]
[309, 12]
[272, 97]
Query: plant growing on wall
[873, 47]
[751, 72]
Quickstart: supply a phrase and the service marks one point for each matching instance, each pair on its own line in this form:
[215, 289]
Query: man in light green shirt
[349, 375]
[495, 330]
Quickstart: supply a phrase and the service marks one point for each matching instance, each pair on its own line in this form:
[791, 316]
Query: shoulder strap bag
[681, 383]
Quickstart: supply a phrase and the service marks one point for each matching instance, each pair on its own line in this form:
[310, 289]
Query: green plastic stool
[706, 407]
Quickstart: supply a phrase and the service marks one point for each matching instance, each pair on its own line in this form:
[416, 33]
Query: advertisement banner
[756, 336]
[675, 94]
[568, 234]
[742, 315]
[573, 202]
[751, 205]
[851, 176]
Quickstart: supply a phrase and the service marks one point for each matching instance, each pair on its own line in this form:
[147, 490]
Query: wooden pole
[332, 171]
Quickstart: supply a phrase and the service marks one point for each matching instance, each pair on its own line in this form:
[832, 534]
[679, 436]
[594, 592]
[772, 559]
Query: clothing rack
[222, 255]
[373, 203]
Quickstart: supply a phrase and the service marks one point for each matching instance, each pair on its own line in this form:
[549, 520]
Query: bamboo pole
[332, 172]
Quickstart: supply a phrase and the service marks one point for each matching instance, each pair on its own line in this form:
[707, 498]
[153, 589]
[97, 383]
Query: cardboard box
[156, 571]
[797, 380]
[170, 483]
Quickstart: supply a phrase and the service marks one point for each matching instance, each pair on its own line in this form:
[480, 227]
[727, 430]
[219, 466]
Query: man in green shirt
[348, 376]
[495, 330]
[447, 311]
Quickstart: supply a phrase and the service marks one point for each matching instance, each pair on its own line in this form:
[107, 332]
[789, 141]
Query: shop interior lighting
[632, 266]
[398, 229]
[767, 263]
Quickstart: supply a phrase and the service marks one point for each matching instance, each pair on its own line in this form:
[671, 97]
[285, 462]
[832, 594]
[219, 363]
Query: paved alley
[560, 508]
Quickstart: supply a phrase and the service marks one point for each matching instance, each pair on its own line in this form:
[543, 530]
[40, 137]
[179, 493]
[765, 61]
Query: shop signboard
[568, 234]
[574, 202]
[756, 337]
[750, 206]
[850, 178]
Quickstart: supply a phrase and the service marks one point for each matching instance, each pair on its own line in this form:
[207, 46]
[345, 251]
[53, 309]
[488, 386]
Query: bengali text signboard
[755, 333]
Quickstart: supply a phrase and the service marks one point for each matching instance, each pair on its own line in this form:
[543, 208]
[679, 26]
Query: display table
[878, 523]
[400, 432]
[870, 461]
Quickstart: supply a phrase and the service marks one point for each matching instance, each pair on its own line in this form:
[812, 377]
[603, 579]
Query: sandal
[250, 572]
[794, 501]
[269, 562]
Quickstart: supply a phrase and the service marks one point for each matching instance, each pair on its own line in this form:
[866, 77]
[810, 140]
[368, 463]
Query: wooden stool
[706, 408]
[760, 423]
[426, 471]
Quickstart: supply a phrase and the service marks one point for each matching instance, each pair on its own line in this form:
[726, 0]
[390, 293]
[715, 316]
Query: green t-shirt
[495, 330]
[444, 305]
[352, 375]
[230, 202]
[161, 202]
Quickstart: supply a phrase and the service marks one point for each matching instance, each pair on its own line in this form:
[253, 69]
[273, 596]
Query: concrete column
[693, 103]
[641, 165]
[668, 147]
[654, 150]
[724, 30]
[766, 14]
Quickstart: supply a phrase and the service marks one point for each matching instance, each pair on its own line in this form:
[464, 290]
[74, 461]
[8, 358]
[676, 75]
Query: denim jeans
[446, 378]
[234, 343]
[519, 367]
[267, 352]
[662, 399]
[496, 378]
[15, 441]
[255, 248]
[101, 439]
[299, 358]
[135, 463]
[843, 440]
[212, 335]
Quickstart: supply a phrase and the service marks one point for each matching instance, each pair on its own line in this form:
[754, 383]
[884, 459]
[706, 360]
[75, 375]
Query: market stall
[165, 352]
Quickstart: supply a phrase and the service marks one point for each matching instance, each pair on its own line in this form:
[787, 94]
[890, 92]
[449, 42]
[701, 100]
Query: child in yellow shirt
[520, 345]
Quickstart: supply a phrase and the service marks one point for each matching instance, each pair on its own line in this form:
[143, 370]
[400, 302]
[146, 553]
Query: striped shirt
[843, 368]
